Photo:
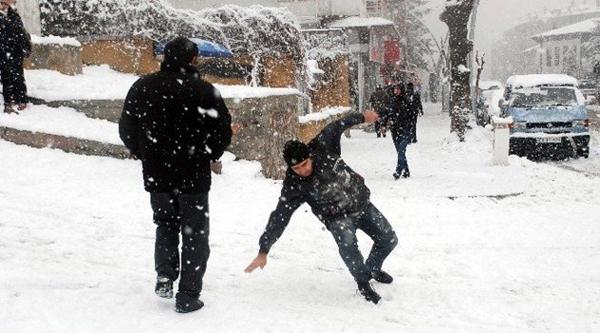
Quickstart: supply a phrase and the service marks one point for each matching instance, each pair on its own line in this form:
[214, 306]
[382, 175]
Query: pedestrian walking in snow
[176, 124]
[15, 46]
[415, 108]
[379, 103]
[339, 197]
[400, 121]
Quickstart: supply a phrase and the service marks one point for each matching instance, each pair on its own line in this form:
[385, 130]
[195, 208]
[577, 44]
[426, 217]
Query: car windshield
[544, 97]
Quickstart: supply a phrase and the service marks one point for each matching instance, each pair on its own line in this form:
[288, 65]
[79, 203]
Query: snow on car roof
[534, 80]
[485, 85]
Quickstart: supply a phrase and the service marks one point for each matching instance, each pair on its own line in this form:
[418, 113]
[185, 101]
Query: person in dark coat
[379, 103]
[15, 46]
[340, 199]
[176, 124]
[400, 121]
[415, 108]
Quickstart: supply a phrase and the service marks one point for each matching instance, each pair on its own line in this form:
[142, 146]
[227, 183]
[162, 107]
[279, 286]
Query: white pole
[501, 140]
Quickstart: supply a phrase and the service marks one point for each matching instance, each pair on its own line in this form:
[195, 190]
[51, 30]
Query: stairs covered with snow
[62, 128]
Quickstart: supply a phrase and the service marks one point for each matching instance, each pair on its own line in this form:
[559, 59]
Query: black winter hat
[180, 51]
[295, 152]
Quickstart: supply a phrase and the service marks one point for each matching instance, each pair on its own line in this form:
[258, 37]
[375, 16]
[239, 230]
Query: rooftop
[583, 27]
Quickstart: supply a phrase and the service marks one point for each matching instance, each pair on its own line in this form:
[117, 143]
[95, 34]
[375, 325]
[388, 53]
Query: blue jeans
[401, 140]
[376, 226]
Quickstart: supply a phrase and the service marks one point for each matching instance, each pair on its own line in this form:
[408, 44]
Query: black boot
[382, 277]
[406, 174]
[10, 109]
[396, 176]
[164, 287]
[185, 303]
[367, 291]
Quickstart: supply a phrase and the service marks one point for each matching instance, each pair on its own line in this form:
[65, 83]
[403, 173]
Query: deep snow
[76, 246]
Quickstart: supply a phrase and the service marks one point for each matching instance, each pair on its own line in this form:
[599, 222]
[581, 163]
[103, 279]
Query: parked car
[549, 115]
[490, 93]
[589, 89]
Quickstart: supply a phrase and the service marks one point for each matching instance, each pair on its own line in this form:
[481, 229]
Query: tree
[457, 15]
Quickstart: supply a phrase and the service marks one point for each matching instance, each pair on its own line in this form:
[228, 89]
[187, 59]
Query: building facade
[572, 50]
[518, 53]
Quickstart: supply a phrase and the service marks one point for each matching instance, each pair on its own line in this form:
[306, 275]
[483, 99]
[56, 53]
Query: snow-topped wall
[251, 30]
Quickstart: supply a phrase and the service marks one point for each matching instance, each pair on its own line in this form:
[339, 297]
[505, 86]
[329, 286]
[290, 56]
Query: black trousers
[12, 78]
[185, 214]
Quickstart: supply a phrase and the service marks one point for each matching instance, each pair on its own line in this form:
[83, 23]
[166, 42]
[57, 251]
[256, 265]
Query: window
[557, 56]
[548, 58]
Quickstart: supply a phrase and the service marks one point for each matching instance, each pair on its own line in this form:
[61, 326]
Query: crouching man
[339, 197]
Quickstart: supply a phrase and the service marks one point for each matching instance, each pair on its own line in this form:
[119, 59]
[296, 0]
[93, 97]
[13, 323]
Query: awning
[205, 49]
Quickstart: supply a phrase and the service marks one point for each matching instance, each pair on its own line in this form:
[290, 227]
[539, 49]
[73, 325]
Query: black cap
[180, 51]
[295, 152]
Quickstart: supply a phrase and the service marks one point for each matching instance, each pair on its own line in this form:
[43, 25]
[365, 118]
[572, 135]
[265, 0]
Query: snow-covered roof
[534, 80]
[587, 26]
[355, 21]
[537, 49]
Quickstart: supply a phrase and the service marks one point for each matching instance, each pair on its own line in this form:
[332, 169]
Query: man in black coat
[415, 108]
[15, 46]
[176, 123]
[400, 120]
[339, 197]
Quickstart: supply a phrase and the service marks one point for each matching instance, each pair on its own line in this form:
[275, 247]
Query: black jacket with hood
[333, 191]
[175, 123]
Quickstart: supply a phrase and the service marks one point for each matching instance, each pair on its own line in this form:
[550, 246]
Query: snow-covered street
[482, 248]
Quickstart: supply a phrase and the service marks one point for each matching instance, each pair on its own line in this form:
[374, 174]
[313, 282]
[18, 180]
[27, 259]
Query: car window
[544, 97]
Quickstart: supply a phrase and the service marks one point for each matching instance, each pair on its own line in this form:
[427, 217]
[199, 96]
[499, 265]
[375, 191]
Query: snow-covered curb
[48, 40]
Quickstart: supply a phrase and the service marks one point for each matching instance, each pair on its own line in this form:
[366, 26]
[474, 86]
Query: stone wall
[65, 59]
[127, 55]
[334, 87]
[267, 123]
[279, 72]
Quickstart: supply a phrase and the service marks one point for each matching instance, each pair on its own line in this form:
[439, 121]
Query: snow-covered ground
[482, 248]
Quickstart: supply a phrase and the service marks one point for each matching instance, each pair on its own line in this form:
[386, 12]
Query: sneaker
[382, 277]
[164, 287]
[406, 174]
[367, 291]
[10, 109]
[185, 303]
[396, 176]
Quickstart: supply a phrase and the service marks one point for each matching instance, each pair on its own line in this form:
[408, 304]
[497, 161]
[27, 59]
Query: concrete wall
[132, 55]
[30, 14]
[65, 59]
[267, 123]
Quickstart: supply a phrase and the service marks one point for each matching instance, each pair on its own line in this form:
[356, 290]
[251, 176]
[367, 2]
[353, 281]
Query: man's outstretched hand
[259, 261]
[370, 116]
